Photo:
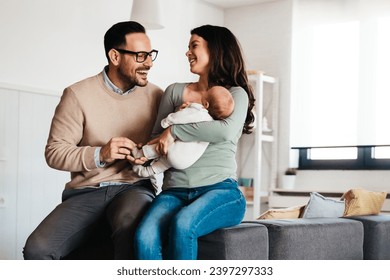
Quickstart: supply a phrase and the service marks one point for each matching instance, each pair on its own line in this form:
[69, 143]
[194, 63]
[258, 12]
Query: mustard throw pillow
[362, 202]
[282, 213]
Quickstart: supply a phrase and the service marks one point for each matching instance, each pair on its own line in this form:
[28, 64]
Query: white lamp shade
[148, 13]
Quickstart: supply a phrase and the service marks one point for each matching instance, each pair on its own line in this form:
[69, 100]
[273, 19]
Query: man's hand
[117, 148]
[137, 161]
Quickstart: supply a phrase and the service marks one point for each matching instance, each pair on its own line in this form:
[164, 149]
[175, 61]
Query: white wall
[29, 189]
[264, 31]
[50, 44]
[47, 45]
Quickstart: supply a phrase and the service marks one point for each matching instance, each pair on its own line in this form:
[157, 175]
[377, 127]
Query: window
[340, 83]
[381, 153]
[349, 158]
[333, 153]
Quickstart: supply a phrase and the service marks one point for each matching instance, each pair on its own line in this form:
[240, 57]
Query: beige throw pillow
[362, 202]
[282, 213]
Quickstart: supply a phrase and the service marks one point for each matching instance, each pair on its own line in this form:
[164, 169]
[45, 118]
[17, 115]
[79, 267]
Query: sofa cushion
[245, 241]
[314, 239]
[282, 213]
[360, 202]
[322, 207]
[376, 236]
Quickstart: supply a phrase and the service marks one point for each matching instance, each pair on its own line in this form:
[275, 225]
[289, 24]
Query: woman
[204, 197]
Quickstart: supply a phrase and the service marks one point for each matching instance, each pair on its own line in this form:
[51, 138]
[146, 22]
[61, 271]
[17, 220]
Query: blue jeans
[178, 216]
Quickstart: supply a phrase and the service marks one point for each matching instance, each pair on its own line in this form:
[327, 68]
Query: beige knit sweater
[87, 117]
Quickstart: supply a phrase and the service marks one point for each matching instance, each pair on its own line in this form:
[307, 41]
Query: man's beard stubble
[132, 81]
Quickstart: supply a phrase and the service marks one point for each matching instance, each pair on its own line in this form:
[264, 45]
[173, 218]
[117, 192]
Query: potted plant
[288, 180]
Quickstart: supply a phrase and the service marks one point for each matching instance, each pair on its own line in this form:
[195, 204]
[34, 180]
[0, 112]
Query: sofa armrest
[376, 244]
[245, 241]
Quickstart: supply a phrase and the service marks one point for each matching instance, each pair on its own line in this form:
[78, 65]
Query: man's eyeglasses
[140, 56]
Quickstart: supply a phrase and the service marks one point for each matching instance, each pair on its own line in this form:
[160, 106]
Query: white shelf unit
[257, 152]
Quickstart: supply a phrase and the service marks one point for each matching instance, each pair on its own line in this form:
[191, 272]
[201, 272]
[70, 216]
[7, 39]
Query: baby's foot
[137, 153]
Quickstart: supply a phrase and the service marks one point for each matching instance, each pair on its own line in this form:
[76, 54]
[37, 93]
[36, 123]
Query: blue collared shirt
[113, 87]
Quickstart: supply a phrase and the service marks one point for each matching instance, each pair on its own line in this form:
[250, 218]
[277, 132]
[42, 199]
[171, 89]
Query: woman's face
[198, 55]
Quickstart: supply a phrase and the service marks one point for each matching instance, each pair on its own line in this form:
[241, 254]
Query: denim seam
[213, 210]
[222, 205]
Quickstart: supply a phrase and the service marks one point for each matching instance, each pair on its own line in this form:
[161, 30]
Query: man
[96, 125]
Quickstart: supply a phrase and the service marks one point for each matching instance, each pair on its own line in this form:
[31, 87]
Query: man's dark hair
[116, 35]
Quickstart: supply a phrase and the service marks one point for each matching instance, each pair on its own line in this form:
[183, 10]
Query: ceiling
[235, 3]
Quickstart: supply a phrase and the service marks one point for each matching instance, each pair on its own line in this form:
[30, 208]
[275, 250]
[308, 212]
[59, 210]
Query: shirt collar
[113, 87]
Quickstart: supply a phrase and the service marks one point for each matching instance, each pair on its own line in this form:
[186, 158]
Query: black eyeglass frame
[139, 56]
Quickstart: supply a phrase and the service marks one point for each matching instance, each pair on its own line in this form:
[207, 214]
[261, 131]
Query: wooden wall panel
[40, 187]
[8, 172]
[29, 189]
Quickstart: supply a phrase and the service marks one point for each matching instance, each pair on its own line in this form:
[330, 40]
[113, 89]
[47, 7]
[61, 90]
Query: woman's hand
[163, 141]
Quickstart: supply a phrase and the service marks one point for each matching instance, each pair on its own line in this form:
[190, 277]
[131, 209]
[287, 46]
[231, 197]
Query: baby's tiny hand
[184, 105]
[136, 161]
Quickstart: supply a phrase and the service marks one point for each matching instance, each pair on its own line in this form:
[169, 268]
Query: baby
[217, 104]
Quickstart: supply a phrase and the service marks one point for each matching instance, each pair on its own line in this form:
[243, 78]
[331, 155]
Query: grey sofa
[244, 241]
[376, 245]
[354, 238]
[315, 239]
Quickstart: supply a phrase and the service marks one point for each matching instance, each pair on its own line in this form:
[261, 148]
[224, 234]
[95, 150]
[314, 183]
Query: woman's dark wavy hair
[227, 67]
